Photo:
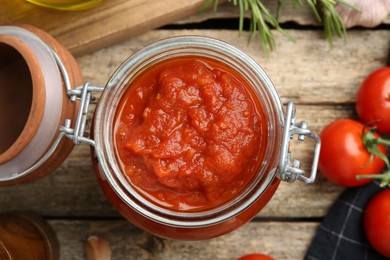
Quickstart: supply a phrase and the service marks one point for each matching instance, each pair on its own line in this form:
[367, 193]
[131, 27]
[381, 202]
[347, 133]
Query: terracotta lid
[33, 103]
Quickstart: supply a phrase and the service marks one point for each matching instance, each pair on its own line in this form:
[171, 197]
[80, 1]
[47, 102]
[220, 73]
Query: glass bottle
[67, 5]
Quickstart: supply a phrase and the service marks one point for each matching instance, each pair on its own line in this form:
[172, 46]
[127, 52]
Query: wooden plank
[113, 21]
[116, 20]
[300, 15]
[128, 242]
[306, 71]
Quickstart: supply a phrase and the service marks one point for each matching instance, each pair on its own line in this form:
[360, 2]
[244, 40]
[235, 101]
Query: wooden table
[321, 81]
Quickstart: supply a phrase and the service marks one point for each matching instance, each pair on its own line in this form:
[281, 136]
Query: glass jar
[27, 236]
[237, 211]
[68, 125]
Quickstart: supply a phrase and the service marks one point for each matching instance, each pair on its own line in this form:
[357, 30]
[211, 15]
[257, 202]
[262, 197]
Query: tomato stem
[383, 141]
[383, 177]
[371, 143]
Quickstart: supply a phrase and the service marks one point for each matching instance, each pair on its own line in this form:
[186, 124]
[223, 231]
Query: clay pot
[33, 102]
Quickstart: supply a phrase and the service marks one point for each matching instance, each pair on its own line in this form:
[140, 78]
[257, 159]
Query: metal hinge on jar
[84, 94]
[289, 169]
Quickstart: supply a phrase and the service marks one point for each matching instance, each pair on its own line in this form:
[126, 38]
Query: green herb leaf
[262, 20]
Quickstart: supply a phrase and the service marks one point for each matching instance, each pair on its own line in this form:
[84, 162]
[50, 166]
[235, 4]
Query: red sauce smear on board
[189, 133]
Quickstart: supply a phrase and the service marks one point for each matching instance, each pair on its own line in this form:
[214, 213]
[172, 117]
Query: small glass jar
[221, 219]
[69, 102]
[27, 236]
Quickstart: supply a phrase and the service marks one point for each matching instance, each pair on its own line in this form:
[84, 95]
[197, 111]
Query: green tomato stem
[383, 141]
[371, 143]
[383, 177]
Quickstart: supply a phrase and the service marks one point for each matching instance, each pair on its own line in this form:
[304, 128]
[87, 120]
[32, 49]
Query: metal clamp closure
[291, 171]
[82, 93]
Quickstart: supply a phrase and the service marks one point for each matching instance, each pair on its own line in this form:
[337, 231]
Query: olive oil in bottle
[67, 5]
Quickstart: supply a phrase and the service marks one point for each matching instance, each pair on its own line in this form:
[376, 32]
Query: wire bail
[291, 171]
[82, 93]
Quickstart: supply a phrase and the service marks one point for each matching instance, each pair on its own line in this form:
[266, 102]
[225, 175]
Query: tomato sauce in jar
[189, 133]
[191, 139]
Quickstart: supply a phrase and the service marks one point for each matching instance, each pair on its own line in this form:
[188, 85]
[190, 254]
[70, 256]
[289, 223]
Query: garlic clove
[97, 248]
[373, 12]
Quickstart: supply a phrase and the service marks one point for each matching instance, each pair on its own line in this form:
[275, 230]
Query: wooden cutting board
[86, 31]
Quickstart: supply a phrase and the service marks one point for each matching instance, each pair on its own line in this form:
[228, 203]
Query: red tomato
[343, 154]
[255, 257]
[377, 222]
[373, 102]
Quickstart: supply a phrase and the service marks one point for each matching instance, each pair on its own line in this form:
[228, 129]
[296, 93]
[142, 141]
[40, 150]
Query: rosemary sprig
[262, 20]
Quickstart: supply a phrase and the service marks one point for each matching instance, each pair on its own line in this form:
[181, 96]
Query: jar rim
[106, 109]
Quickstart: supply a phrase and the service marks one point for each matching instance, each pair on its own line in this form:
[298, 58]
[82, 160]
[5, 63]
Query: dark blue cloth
[341, 234]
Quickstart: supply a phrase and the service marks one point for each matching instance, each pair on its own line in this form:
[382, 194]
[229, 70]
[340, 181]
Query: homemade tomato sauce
[189, 133]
